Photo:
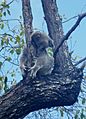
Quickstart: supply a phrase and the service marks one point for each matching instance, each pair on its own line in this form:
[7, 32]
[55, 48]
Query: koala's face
[41, 40]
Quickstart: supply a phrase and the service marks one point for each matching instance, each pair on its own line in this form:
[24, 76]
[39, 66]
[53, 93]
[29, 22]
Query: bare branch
[80, 61]
[70, 19]
[5, 59]
[10, 2]
[65, 37]
[6, 34]
[7, 20]
[27, 16]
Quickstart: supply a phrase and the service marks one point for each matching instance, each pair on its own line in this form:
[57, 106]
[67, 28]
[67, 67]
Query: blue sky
[72, 8]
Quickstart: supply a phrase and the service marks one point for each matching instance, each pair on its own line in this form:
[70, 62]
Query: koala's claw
[23, 67]
[33, 74]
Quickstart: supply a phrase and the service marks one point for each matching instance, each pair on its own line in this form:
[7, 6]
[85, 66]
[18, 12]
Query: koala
[25, 64]
[44, 64]
[42, 55]
[24, 60]
[41, 41]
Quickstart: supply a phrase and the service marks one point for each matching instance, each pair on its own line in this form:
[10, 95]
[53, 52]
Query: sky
[72, 8]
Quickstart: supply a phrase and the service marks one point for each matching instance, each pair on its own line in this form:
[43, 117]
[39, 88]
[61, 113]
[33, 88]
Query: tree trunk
[33, 94]
[61, 88]
[54, 25]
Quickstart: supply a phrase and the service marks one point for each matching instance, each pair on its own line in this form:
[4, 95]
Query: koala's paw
[33, 74]
[23, 67]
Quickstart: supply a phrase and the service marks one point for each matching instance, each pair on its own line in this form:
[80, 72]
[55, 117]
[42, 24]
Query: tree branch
[55, 29]
[8, 20]
[42, 92]
[27, 16]
[65, 37]
[70, 19]
[10, 2]
[80, 61]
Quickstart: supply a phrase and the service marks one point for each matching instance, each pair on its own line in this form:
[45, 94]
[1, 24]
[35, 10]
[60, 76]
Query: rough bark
[27, 16]
[45, 92]
[61, 88]
[54, 25]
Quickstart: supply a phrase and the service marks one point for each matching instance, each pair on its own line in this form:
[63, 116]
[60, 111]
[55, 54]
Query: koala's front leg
[23, 68]
[34, 70]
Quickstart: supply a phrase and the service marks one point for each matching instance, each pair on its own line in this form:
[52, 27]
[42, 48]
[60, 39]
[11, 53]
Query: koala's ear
[35, 35]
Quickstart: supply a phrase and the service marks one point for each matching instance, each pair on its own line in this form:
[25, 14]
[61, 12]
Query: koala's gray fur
[43, 63]
[41, 41]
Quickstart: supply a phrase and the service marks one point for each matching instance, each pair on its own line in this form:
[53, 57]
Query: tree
[62, 87]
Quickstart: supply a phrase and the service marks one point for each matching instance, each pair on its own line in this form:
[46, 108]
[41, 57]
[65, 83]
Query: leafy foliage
[11, 43]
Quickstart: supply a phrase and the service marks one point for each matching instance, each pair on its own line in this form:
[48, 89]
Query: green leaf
[7, 41]
[18, 51]
[13, 73]
[23, 42]
[3, 4]
[83, 101]
[82, 115]
[0, 14]
[0, 64]
[76, 116]
[21, 33]
[8, 11]
[4, 13]
[12, 51]
[77, 113]
[2, 42]
[11, 39]
[1, 78]
[49, 51]
[20, 17]
[62, 113]
[17, 39]
[8, 59]
[2, 26]
[1, 85]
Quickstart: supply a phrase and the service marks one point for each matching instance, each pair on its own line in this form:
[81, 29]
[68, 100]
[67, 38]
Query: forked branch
[80, 61]
[65, 37]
